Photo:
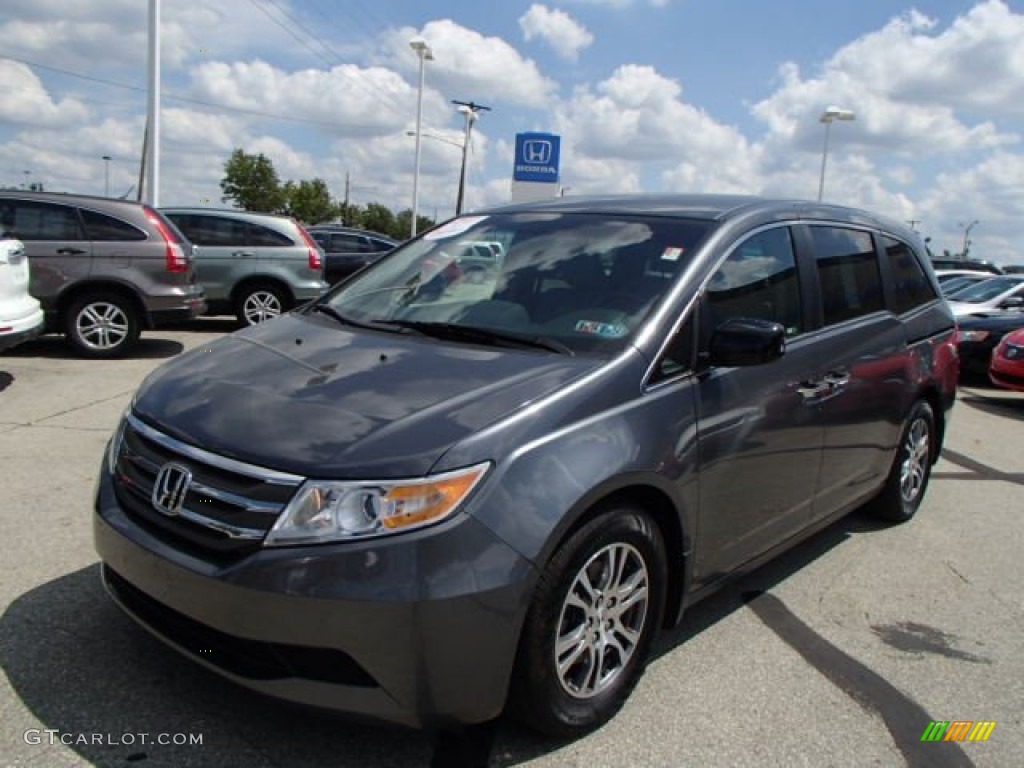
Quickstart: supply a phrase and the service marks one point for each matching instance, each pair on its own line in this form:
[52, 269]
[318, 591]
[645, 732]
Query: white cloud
[557, 28]
[26, 101]
[912, 91]
[472, 67]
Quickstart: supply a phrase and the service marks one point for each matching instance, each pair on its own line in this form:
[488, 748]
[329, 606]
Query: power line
[172, 97]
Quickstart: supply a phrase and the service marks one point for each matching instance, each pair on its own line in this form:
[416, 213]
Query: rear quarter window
[265, 237]
[911, 286]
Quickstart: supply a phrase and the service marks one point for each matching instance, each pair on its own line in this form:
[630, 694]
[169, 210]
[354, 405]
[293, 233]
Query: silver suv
[255, 265]
[102, 269]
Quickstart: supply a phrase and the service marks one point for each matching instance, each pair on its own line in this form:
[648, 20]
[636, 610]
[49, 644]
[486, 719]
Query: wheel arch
[647, 494]
[86, 287]
[254, 281]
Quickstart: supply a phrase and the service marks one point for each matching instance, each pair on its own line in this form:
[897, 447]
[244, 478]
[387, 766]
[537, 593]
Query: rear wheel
[102, 325]
[590, 626]
[911, 468]
[259, 302]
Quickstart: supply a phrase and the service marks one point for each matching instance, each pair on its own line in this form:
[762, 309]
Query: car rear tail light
[177, 261]
[315, 259]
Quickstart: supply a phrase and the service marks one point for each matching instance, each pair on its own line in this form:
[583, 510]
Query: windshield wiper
[345, 319]
[472, 333]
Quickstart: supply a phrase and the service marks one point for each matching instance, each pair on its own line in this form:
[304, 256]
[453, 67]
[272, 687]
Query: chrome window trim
[254, 471]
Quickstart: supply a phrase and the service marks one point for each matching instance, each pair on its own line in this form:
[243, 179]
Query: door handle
[244, 254]
[70, 251]
[837, 379]
[812, 389]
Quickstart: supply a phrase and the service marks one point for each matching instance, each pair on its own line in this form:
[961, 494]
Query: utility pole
[348, 189]
[471, 111]
[913, 223]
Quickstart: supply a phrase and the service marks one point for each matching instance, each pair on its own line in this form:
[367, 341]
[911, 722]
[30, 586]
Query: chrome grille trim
[221, 462]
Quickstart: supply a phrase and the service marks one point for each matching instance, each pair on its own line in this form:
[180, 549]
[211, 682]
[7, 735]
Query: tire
[258, 302]
[102, 325]
[581, 654]
[911, 468]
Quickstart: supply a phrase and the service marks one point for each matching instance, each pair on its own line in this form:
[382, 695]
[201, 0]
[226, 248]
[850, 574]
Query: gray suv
[432, 491]
[102, 269]
[255, 265]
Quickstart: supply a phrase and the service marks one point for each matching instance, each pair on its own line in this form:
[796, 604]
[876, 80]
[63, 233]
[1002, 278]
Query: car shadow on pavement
[997, 402]
[149, 347]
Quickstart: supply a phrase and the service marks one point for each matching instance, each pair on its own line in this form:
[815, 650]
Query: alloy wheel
[601, 620]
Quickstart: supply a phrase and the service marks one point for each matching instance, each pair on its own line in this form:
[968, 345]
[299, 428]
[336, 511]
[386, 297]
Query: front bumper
[419, 630]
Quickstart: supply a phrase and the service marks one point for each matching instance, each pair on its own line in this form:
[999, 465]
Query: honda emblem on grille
[170, 488]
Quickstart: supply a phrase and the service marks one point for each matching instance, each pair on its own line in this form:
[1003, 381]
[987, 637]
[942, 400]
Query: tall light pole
[827, 117]
[470, 110]
[152, 161]
[106, 175]
[967, 234]
[425, 54]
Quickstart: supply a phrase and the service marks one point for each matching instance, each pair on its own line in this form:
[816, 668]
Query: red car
[1007, 368]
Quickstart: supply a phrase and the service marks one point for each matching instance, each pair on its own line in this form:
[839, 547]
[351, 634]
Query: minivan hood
[305, 395]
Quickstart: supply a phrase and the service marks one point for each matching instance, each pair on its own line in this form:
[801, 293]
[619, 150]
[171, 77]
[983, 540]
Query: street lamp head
[419, 45]
[837, 113]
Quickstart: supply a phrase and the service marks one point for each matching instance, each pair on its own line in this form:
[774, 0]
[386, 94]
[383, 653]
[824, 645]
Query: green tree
[403, 221]
[378, 218]
[310, 201]
[251, 183]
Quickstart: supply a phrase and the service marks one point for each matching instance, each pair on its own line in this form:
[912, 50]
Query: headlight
[323, 511]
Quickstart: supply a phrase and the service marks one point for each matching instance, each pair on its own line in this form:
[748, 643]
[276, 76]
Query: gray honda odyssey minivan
[430, 494]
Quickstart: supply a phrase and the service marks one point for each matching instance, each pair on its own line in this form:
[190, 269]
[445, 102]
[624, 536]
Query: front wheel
[589, 629]
[904, 489]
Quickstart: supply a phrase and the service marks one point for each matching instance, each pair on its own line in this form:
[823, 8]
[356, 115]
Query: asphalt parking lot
[839, 653]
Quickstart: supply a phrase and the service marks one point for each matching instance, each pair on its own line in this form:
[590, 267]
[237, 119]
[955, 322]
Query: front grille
[251, 659]
[228, 508]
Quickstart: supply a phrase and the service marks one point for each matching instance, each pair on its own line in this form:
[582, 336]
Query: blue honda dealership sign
[536, 157]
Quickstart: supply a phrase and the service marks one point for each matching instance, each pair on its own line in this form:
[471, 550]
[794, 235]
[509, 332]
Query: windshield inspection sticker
[607, 330]
[453, 228]
[671, 254]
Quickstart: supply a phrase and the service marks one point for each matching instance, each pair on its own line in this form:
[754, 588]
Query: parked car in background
[1013, 269]
[979, 265]
[347, 250]
[500, 491]
[1002, 292]
[21, 316]
[103, 269]
[977, 336]
[253, 265]
[1007, 369]
[950, 284]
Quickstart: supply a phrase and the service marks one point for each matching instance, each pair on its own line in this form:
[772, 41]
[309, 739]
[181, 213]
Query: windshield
[986, 289]
[575, 281]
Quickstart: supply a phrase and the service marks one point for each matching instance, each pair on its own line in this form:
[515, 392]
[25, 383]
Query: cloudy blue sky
[648, 95]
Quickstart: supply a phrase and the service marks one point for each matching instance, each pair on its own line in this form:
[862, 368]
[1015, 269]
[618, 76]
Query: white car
[1002, 292]
[21, 317]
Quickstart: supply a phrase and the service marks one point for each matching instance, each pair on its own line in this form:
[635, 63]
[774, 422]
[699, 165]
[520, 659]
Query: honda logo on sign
[537, 152]
[536, 157]
[171, 488]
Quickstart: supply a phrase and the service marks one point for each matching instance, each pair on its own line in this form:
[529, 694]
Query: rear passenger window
[758, 280]
[848, 272]
[29, 220]
[211, 230]
[911, 286]
[99, 226]
[266, 237]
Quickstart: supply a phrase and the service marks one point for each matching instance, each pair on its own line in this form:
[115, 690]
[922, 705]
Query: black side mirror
[746, 341]
[1014, 302]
